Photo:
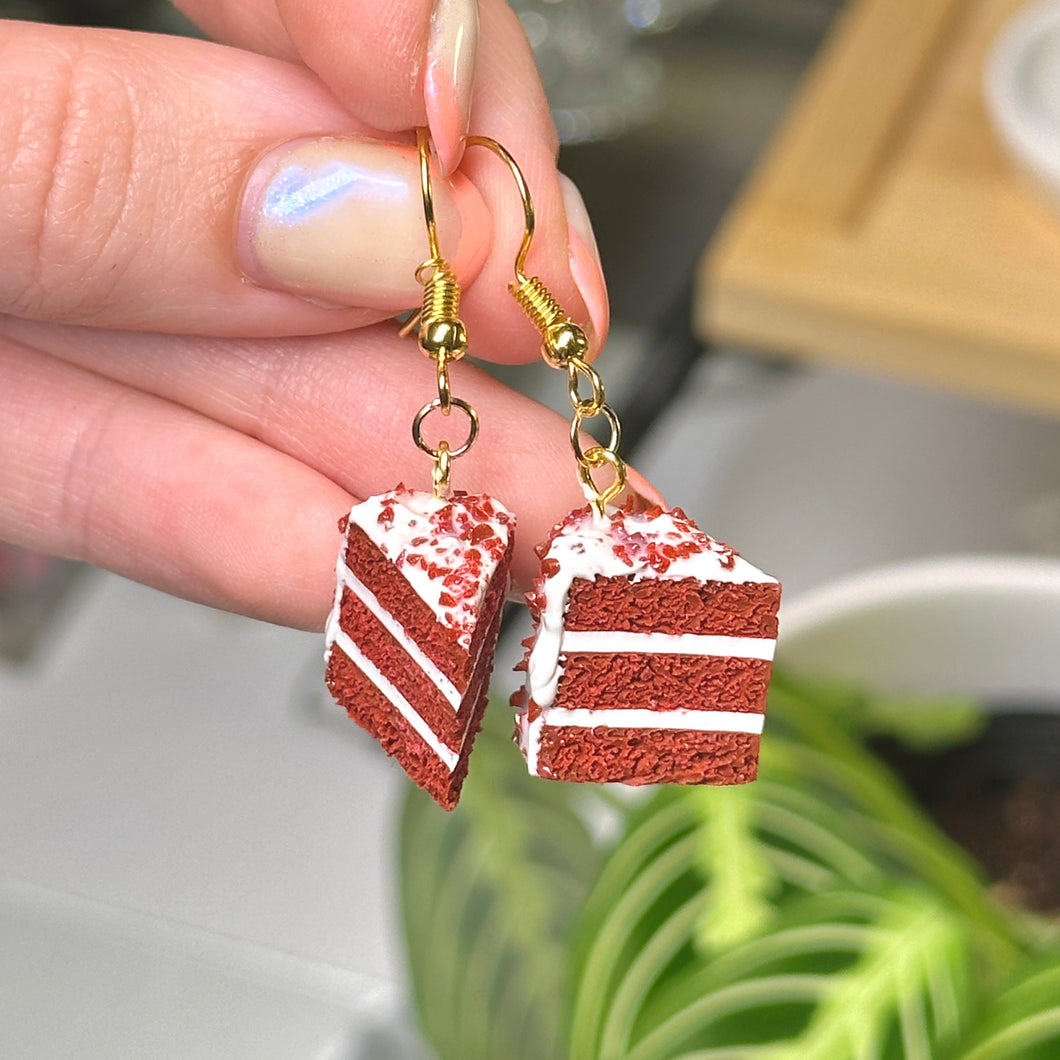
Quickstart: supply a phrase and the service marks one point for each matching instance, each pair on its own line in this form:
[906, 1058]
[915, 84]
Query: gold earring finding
[442, 335]
[561, 338]
[563, 346]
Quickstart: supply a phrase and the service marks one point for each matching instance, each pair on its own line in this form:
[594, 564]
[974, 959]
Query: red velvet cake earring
[422, 578]
[653, 643]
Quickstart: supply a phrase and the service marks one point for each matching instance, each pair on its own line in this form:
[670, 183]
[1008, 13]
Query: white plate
[1021, 83]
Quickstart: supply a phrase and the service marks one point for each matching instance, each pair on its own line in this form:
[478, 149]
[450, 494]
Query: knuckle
[67, 144]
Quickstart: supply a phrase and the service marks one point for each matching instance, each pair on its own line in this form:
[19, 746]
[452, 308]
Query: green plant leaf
[850, 976]
[489, 893]
[739, 902]
[926, 723]
[909, 985]
[645, 880]
[1023, 1021]
[645, 916]
[821, 757]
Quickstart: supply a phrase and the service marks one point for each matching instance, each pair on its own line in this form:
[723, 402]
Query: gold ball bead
[564, 342]
[444, 337]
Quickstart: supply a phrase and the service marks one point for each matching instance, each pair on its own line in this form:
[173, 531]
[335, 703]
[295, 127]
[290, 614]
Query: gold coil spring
[441, 294]
[441, 331]
[562, 341]
[538, 303]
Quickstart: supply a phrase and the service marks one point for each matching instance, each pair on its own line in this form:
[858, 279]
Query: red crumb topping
[636, 542]
[459, 547]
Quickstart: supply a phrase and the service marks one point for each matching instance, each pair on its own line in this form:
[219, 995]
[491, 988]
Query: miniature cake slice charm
[651, 655]
[410, 640]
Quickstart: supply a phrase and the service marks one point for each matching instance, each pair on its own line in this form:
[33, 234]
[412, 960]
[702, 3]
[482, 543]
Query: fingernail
[449, 76]
[340, 220]
[585, 260]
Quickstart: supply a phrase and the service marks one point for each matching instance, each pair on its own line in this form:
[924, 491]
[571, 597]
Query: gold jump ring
[472, 417]
[596, 458]
[608, 414]
[445, 393]
[589, 406]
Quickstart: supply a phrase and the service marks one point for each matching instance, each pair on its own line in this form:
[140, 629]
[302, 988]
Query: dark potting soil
[999, 797]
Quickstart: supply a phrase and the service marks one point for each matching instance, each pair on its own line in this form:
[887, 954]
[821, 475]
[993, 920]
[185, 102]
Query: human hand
[216, 467]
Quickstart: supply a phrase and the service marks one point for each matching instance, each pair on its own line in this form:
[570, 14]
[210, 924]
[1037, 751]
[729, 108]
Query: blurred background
[833, 252]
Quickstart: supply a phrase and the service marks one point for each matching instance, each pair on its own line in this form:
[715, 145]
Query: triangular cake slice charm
[651, 654]
[411, 638]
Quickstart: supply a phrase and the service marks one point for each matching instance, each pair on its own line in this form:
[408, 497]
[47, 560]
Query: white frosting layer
[429, 540]
[621, 545]
[675, 720]
[372, 672]
[346, 577]
[666, 644]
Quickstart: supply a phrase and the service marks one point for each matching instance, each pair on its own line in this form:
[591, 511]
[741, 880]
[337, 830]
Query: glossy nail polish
[340, 220]
[449, 76]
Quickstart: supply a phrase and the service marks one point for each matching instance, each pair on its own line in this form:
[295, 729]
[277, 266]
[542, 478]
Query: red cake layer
[381, 647]
[367, 706]
[626, 681]
[437, 641]
[685, 605]
[369, 634]
[647, 756]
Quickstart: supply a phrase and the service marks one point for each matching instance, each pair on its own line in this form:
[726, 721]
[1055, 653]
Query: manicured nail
[340, 221]
[585, 261]
[449, 75]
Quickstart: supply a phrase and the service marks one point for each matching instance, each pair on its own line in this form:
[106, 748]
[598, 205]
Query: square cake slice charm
[411, 638]
[651, 655]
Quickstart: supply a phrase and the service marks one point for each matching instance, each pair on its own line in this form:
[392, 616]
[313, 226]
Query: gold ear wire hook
[561, 339]
[563, 346]
[423, 148]
[505, 156]
[442, 334]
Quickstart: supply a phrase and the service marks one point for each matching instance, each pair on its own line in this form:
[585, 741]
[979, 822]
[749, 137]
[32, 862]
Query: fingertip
[449, 77]
[448, 134]
[584, 259]
[476, 228]
[642, 490]
[589, 280]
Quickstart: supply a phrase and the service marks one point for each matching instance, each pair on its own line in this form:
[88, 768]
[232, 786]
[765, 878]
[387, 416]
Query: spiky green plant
[814, 915]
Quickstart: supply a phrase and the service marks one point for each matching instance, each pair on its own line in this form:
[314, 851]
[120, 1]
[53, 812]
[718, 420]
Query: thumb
[125, 157]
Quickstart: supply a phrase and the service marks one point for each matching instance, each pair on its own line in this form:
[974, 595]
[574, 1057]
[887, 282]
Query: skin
[215, 466]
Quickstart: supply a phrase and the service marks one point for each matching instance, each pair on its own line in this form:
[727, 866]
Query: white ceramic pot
[983, 625]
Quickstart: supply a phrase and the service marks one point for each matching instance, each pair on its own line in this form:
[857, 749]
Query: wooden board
[886, 226]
